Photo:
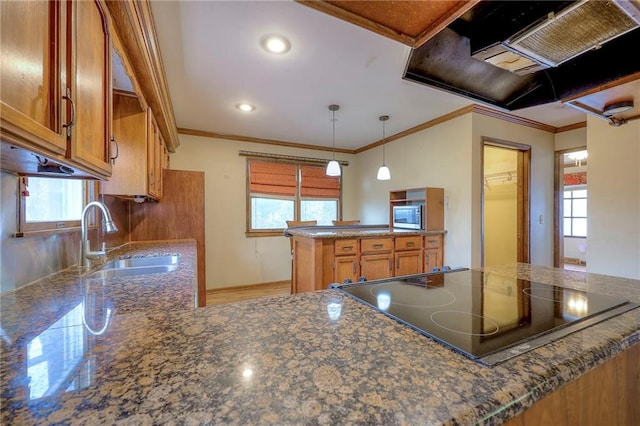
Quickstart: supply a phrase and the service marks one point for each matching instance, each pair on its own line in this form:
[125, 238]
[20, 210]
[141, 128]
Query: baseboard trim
[250, 286]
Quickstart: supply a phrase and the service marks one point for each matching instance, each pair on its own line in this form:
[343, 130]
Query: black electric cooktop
[485, 316]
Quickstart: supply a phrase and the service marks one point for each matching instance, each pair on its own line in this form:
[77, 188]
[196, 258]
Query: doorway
[505, 202]
[570, 229]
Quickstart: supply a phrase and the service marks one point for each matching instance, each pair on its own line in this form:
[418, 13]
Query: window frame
[89, 189]
[571, 217]
[249, 231]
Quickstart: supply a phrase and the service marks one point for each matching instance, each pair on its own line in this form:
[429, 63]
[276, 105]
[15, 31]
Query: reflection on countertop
[54, 329]
[94, 358]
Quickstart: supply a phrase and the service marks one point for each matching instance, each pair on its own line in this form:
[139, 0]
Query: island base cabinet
[320, 262]
[433, 257]
[607, 395]
[376, 266]
[346, 268]
[408, 262]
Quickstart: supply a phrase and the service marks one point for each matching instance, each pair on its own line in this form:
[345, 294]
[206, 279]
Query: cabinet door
[408, 262]
[346, 267]
[90, 87]
[432, 259]
[30, 65]
[129, 176]
[375, 266]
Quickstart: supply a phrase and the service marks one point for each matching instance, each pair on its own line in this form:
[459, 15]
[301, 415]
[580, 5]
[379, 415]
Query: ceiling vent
[575, 30]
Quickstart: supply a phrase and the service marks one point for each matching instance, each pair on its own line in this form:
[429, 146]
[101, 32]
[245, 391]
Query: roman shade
[316, 184]
[272, 178]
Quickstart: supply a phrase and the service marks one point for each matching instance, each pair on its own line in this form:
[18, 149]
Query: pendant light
[333, 167]
[383, 171]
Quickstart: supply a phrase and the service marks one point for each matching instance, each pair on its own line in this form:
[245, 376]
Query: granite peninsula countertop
[284, 360]
[355, 231]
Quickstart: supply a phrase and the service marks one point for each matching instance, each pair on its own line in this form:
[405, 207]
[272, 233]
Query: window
[50, 203]
[575, 213]
[281, 191]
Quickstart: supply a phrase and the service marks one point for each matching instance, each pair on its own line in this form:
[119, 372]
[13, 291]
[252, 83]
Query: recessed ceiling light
[245, 107]
[275, 43]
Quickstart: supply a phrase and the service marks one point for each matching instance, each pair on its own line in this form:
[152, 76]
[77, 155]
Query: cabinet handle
[390, 264]
[345, 248]
[398, 264]
[354, 267]
[377, 246]
[113, 158]
[428, 258]
[67, 97]
[410, 244]
[432, 241]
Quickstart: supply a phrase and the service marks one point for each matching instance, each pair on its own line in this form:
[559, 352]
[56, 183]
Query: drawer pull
[410, 244]
[377, 246]
[355, 266]
[345, 248]
[433, 241]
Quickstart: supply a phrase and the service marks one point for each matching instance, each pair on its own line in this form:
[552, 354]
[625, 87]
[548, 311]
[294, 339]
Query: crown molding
[479, 109]
[240, 138]
[570, 127]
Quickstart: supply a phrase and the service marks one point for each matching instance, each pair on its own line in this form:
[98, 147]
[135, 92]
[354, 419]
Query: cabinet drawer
[408, 243]
[376, 245]
[346, 247]
[432, 241]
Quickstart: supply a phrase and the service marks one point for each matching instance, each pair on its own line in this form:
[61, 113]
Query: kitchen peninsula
[334, 254]
[295, 360]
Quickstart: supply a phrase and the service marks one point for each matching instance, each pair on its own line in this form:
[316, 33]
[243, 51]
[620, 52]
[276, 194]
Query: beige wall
[613, 224]
[576, 138]
[439, 156]
[232, 258]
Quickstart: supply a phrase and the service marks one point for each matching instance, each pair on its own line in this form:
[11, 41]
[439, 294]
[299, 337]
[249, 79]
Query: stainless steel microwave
[409, 217]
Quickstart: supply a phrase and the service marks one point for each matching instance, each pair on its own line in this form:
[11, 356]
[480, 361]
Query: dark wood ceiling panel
[409, 22]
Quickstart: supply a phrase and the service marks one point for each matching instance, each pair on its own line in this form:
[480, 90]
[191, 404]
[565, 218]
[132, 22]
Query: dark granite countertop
[356, 231]
[288, 360]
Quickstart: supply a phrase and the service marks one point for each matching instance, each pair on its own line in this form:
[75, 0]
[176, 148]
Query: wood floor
[238, 294]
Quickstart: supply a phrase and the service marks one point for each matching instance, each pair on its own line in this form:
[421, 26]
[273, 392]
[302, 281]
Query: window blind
[316, 184]
[272, 178]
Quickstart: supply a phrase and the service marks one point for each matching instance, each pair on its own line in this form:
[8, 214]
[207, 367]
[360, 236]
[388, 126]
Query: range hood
[519, 54]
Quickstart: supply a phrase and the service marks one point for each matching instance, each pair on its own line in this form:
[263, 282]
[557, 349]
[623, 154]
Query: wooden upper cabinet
[90, 86]
[31, 66]
[56, 83]
[137, 172]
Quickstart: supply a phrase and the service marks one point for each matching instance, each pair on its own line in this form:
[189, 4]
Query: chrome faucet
[85, 247]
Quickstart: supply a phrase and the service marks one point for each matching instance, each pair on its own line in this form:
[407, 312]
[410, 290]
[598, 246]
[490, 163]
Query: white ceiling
[213, 60]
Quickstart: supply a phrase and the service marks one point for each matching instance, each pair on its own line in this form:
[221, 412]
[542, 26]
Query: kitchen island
[323, 255]
[307, 358]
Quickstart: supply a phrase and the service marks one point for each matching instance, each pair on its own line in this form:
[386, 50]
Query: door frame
[558, 204]
[523, 254]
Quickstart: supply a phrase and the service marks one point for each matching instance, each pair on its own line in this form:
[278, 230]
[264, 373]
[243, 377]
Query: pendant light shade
[383, 172]
[333, 167]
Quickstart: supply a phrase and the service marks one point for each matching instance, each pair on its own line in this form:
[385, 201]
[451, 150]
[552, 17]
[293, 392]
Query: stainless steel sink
[142, 261]
[133, 270]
